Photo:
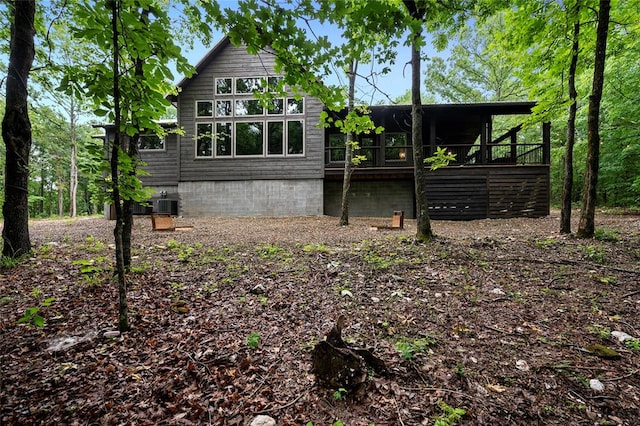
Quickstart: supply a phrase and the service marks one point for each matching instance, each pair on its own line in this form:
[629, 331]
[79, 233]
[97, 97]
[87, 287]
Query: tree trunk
[423, 232]
[586, 227]
[348, 155]
[73, 162]
[567, 187]
[16, 132]
[123, 314]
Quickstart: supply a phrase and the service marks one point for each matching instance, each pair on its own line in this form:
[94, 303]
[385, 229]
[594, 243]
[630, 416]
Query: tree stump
[336, 365]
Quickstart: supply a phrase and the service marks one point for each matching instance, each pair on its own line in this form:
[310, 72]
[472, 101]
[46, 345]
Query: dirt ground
[495, 322]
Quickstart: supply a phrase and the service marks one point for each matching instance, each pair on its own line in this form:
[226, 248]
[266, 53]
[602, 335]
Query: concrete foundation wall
[251, 198]
[371, 199]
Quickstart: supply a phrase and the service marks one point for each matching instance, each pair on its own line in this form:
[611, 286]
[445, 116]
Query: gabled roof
[204, 62]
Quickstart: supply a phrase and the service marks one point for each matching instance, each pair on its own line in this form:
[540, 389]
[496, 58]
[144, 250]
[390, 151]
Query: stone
[621, 336]
[263, 420]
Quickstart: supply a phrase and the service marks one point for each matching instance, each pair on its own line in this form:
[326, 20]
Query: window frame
[163, 141]
[230, 97]
[197, 110]
[303, 132]
[211, 141]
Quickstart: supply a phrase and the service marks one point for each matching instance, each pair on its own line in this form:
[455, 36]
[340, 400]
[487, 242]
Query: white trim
[286, 137]
[204, 116]
[195, 140]
[215, 86]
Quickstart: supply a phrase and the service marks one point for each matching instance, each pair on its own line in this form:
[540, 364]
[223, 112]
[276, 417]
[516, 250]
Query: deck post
[484, 134]
[546, 142]
[432, 136]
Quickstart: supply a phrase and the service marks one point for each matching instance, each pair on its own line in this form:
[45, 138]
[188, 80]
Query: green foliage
[253, 340]
[594, 253]
[318, 248]
[633, 344]
[340, 393]
[440, 158]
[601, 331]
[409, 348]
[608, 235]
[450, 414]
[31, 315]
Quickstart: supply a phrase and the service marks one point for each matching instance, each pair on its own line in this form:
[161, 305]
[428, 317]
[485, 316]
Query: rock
[111, 334]
[258, 289]
[522, 365]
[63, 343]
[596, 385]
[497, 291]
[621, 336]
[263, 420]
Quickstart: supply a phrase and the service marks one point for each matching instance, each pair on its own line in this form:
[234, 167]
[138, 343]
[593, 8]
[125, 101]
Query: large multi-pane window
[235, 124]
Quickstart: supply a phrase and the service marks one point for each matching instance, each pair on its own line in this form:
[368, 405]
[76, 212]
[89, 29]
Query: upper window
[204, 109]
[223, 86]
[295, 106]
[248, 107]
[151, 142]
[246, 85]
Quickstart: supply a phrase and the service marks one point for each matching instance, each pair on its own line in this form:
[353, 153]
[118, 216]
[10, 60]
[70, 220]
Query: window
[295, 106]
[272, 83]
[395, 147]
[295, 139]
[249, 138]
[223, 109]
[275, 138]
[204, 146]
[248, 107]
[223, 86]
[276, 107]
[248, 85]
[223, 139]
[337, 147]
[204, 109]
[151, 143]
[368, 150]
[241, 127]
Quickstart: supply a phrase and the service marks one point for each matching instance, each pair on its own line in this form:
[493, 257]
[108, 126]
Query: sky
[394, 84]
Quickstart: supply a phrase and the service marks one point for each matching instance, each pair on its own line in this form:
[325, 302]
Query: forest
[501, 55]
[306, 320]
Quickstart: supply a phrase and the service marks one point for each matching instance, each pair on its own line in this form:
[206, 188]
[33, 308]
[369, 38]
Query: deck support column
[546, 143]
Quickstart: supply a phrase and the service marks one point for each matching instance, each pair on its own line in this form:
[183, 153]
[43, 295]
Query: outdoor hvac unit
[141, 209]
[165, 206]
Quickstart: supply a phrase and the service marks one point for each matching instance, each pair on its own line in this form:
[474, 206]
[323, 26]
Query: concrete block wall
[251, 198]
[371, 198]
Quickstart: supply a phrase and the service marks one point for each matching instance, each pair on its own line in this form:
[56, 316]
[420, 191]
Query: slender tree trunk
[43, 180]
[586, 227]
[567, 187]
[73, 162]
[123, 314]
[423, 232]
[348, 156]
[132, 152]
[16, 132]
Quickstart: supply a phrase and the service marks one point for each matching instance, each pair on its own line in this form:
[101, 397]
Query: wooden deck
[454, 193]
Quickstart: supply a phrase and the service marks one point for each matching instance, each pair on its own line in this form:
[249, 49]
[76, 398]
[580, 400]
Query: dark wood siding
[163, 165]
[235, 62]
[454, 193]
[488, 192]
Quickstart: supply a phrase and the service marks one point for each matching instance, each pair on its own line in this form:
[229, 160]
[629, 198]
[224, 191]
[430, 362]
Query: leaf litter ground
[496, 317]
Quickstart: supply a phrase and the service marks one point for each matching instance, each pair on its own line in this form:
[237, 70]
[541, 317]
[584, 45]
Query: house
[237, 158]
